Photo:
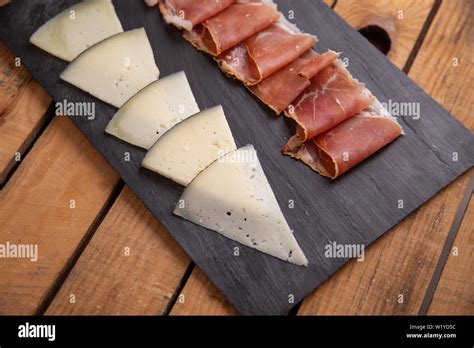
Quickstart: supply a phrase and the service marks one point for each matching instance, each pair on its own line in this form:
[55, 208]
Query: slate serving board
[355, 209]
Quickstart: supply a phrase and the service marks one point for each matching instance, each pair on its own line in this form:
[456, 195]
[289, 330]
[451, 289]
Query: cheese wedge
[79, 27]
[149, 114]
[190, 146]
[233, 197]
[114, 69]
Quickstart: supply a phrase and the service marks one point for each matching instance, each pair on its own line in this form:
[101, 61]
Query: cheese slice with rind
[77, 28]
[190, 146]
[233, 197]
[114, 69]
[149, 114]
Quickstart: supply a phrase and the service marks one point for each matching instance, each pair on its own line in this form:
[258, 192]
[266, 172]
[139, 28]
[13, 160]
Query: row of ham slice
[339, 122]
[334, 152]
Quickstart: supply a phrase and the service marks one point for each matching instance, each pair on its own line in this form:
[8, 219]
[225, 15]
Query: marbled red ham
[333, 96]
[232, 26]
[335, 152]
[186, 14]
[279, 90]
[265, 52]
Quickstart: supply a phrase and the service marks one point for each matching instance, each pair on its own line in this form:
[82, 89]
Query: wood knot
[378, 37]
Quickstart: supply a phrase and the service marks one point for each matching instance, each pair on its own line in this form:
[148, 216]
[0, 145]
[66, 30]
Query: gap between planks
[189, 268]
[443, 258]
[29, 143]
[422, 36]
[413, 54]
[421, 57]
[54, 289]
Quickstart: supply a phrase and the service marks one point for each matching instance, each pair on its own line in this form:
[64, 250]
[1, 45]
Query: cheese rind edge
[190, 146]
[150, 113]
[77, 28]
[114, 69]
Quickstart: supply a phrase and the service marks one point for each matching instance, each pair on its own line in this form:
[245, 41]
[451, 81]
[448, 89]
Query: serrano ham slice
[186, 14]
[335, 152]
[333, 96]
[265, 52]
[279, 90]
[232, 26]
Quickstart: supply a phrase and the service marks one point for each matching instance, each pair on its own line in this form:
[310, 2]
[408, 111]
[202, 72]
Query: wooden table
[102, 252]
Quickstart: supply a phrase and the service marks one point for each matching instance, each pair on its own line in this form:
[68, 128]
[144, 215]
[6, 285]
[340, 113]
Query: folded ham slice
[279, 90]
[333, 96]
[346, 145]
[232, 26]
[265, 52]
[186, 14]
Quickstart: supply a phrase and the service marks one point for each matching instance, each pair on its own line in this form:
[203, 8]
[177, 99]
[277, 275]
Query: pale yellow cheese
[149, 114]
[190, 146]
[116, 68]
[77, 28]
[233, 197]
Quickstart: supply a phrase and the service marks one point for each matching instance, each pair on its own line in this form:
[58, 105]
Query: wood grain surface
[131, 266]
[23, 105]
[406, 258]
[364, 288]
[455, 291]
[196, 283]
[36, 208]
[402, 20]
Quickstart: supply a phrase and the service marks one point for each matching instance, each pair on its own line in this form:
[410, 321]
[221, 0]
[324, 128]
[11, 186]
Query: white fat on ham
[150, 113]
[233, 197]
[116, 68]
[190, 146]
[77, 28]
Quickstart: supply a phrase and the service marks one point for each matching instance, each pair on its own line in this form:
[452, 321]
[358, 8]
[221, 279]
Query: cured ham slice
[185, 14]
[280, 89]
[232, 26]
[333, 96]
[335, 152]
[265, 52]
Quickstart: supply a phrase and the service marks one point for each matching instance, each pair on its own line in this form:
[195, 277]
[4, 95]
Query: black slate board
[357, 208]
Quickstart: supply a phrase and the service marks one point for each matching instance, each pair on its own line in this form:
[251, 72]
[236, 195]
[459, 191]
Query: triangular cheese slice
[79, 27]
[144, 118]
[190, 146]
[233, 197]
[116, 68]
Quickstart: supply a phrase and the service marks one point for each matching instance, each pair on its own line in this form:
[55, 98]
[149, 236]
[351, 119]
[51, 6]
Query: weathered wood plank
[23, 105]
[454, 294]
[402, 20]
[318, 220]
[200, 297]
[455, 289]
[130, 266]
[404, 33]
[51, 201]
[444, 66]
[402, 262]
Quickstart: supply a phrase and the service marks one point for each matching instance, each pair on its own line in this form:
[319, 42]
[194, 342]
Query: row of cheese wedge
[227, 190]
[107, 62]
